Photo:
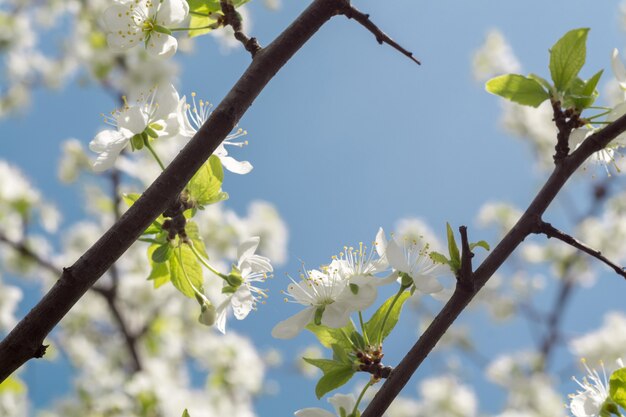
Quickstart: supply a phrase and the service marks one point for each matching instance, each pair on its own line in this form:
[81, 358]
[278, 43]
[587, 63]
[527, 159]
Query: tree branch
[461, 298]
[108, 294]
[552, 232]
[351, 12]
[466, 276]
[26, 339]
[233, 19]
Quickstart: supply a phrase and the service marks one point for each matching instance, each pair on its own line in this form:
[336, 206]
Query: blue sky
[351, 136]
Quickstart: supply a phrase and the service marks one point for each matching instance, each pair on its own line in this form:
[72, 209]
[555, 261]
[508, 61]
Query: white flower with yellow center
[155, 115]
[132, 22]
[412, 259]
[594, 395]
[242, 293]
[194, 117]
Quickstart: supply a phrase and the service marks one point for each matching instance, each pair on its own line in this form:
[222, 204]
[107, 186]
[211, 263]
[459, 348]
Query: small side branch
[550, 231]
[233, 19]
[466, 274]
[351, 12]
[566, 121]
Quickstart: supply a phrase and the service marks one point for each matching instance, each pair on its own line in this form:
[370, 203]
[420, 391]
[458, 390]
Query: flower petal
[618, 68]
[172, 12]
[234, 166]
[247, 248]
[313, 412]
[242, 302]
[288, 329]
[395, 257]
[162, 45]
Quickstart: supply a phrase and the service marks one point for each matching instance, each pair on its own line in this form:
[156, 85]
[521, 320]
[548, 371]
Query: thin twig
[107, 293]
[547, 229]
[351, 12]
[233, 19]
[466, 276]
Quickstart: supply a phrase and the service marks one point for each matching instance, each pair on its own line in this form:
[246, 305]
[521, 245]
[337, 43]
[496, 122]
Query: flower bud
[207, 314]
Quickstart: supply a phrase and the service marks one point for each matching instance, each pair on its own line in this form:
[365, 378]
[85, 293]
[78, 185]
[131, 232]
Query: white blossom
[193, 119]
[156, 111]
[149, 21]
[253, 268]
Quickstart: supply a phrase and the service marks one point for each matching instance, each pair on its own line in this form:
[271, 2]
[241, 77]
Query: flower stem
[211, 26]
[348, 339]
[382, 326]
[182, 265]
[205, 263]
[358, 401]
[154, 154]
[365, 337]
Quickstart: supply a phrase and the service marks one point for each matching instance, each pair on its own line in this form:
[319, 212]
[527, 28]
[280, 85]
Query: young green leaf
[617, 387]
[542, 81]
[567, 57]
[582, 94]
[329, 336]
[373, 326]
[205, 186]
[480, 243]
[186, 413]
[162, 253]
[199, 11]
[193, 233]
[185, 271]
[519, 89]
[335, 375]
[439, 258]
[160, 272]
[453, 249]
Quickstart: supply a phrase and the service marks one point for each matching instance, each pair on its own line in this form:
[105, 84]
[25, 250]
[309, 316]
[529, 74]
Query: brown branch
[233, 19]
[108, 294]
[22, 249]
[461, 298]
[466, 276]
[351, 12]
[550, 231]
[25, 340]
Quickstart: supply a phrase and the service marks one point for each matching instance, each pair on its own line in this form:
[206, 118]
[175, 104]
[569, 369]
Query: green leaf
[185, 271]
[186, 413]
[162, 253]
[12, 384]
[160, 273]
[335, 375]
[542, 81]
[333, 380]
[373, 325]
[439, 258]
[453, 249]
[519, 89]
[205, 186]
[329, 336]
[582, 94]
[193, 233]
[617, 387]
[199, 11]
[480, 243]
[567, 57]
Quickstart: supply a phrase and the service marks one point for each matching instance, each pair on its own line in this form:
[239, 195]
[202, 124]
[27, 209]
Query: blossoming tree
[143, 291]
